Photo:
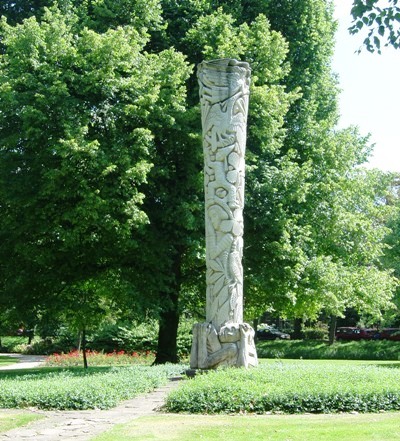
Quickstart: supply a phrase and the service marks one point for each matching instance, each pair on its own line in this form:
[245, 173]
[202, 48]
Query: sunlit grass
[10, 421]
[363, 427]
[5, 360]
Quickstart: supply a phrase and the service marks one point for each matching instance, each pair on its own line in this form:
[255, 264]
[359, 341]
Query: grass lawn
[362, 427]
[10, 421]
[4, 360]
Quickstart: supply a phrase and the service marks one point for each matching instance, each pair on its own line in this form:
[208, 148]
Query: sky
[370, 97]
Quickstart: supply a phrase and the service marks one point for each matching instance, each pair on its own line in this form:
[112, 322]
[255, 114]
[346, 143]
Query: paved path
[83, 425]
[24, 361]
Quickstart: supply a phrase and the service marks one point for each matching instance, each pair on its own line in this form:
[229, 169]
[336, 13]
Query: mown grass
[362, 427]
[292, 387]
[9, 421]
[77, 388]
[5, 360]
[350, 350]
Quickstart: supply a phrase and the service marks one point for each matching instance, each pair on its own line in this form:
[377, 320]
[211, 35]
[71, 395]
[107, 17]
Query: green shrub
[128, 337]
[318, 350]
[132, 337]
[290, 388]
[319, 331]
[95, 388]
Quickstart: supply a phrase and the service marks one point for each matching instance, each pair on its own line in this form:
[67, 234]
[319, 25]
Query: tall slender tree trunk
[85, 362]
[79, 340]
[255, 327]
[332, 329]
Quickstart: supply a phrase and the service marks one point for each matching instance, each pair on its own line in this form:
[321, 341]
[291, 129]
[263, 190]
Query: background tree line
[101, 165]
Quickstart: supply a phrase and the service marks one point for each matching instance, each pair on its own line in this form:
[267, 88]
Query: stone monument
[224, 340]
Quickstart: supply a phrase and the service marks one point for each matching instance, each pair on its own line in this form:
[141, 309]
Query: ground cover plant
[11, 421]
[77, 388]
[361, 427]
[349, 350]
[292, 387]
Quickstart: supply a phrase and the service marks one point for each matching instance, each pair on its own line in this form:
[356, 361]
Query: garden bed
[292, 387]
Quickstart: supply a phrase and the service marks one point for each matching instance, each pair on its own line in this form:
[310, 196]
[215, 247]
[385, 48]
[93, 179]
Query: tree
[77, 117]
[124, 98]
[382, 22]
[17, 11]
[391, 257]
[178, 214]
[299, 193]
[297, 163]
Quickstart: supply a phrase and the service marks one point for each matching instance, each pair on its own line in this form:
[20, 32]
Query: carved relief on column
[224, 96]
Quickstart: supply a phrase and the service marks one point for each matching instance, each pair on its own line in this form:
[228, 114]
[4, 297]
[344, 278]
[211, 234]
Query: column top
[224, 64]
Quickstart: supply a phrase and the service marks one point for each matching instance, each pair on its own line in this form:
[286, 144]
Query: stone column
[224, 94]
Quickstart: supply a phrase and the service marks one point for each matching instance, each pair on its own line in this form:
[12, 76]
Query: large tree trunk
[167, 349]
[297, 325]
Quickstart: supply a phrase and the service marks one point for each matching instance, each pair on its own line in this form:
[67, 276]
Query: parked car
[390, 334]
[271, 333]
[353, 333]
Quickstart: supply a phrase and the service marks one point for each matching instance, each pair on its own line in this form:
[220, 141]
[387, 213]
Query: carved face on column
[229, 333]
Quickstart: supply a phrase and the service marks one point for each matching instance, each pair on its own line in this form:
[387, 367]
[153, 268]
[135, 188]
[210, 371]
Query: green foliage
[100, 164]
[128, 338]
[108, 338]
[313, 219]
[317, 332]
[96, 388]
[309, 349]
[17, 11]
[79, 113]
[290, 388]
[382, 20]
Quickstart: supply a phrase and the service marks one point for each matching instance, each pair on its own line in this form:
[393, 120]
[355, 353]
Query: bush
[117, 337]
[351, 350]
[75, 388]
[290, 388]
[127, 337]
[319, 331]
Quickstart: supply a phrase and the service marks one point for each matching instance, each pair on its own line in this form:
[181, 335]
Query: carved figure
[224, 94]
[224, 90]
[233, 345]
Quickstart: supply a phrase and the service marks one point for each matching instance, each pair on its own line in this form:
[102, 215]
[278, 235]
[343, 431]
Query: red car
[353, 333]
[390, 334]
